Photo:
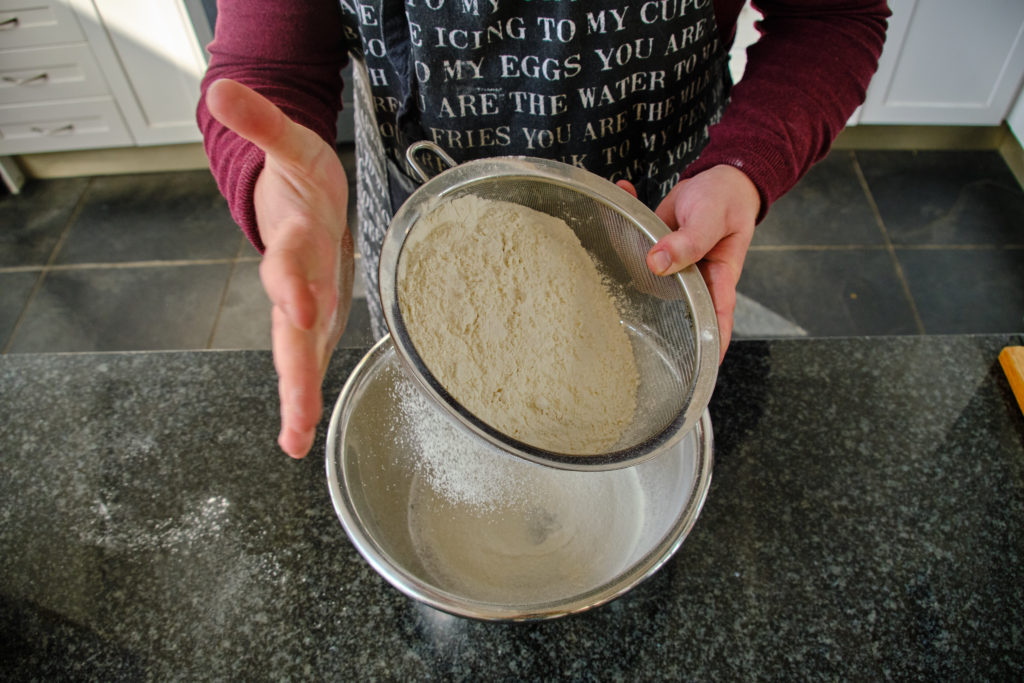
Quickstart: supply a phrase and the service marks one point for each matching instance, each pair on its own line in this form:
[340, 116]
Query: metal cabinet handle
[69, 128]
[27, 80]
[9, 24]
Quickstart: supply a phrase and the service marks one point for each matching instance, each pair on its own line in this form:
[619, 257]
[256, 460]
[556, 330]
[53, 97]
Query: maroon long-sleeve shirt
[804, 78]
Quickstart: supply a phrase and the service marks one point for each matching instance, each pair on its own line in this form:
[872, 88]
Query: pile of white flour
[510, 314]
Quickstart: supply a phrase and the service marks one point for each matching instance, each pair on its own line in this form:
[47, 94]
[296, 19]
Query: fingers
[676, 251]
[627, 186]
[722, 286]
[719, 205]
[301, 356]
[712, 217]
[297, 361]
[286, 282]
[695, 225]
[342, 300]
[684, 246]
[301, 203]
[308, 318]
[719, 259]
[259, 121]
[303, 310]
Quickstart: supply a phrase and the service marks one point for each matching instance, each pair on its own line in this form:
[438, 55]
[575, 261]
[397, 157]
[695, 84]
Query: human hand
[712, 217]
[301, 202]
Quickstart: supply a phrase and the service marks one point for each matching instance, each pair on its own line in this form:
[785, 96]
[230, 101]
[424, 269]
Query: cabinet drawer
[62, 125]
[49, 73]
[24, 23]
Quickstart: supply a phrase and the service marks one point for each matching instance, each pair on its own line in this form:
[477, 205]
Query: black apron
[627, 92]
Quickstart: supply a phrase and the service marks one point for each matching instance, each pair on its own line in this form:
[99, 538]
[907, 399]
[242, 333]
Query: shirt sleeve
[292, 52]
[804, 78]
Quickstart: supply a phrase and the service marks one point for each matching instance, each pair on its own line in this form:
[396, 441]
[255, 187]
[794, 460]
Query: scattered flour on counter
[509, 312]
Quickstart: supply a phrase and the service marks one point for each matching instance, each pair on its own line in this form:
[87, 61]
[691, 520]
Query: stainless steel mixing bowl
[459, 525]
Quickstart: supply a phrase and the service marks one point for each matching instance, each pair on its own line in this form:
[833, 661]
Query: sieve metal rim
[507, 168]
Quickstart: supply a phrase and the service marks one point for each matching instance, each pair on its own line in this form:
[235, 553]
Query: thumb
[627, 186]
[258, 120]
[693, 233]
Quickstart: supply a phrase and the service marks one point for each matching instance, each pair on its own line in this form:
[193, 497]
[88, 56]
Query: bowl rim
[418, 589]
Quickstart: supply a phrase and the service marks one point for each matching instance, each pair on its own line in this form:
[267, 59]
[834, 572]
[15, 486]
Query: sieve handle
[425, 146]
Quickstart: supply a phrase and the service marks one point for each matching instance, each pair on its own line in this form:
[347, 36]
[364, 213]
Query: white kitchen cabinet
[80, 74]
[55, 126]
[153, 63]
[40, 74]
[1015, 119]
[28, 23]
[53, 93]
[948, 62]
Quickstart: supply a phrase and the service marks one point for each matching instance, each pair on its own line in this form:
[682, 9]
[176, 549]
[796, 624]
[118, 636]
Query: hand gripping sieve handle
[425, 146]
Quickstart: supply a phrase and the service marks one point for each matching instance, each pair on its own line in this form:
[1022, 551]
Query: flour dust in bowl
[452, 521]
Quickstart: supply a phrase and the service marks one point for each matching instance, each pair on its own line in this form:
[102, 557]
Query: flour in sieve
[508, 311]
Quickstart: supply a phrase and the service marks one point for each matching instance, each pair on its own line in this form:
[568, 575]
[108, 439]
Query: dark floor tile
[244, 320]
[152, 217]
[945, 197]
[830, 292]
[34, 220]
[245, 323]
[15, 289]
[115, 309]
[827, 207]
[966, 290]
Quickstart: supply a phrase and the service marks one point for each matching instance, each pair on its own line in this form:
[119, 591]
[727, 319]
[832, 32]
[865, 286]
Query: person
[638, 93]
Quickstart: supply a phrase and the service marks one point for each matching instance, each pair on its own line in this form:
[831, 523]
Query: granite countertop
[865, 521]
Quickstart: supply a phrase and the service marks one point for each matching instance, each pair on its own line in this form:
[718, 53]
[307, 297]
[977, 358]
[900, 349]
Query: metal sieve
[670, 320]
